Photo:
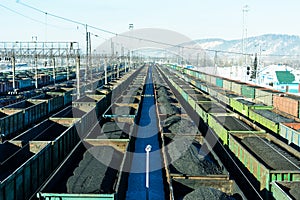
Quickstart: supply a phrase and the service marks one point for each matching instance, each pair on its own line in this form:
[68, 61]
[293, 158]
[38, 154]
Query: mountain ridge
[268, 44]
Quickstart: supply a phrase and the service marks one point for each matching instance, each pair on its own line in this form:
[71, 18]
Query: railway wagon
[265, 96]
[285, 190]
[33, 156]
[290, 131]
[94, 101]
[11, 121]
[187, 174]
[65, 92]
[223, 124]
[33, 111]
[269, 118]
[86, 162]
[267, 158]
[224, 96]
[204, 109]
[287, 103]
[243, 105]
[54, 103]
[85, 115]
[227, 84]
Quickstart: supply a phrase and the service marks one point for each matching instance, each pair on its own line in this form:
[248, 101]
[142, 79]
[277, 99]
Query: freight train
[269, 158]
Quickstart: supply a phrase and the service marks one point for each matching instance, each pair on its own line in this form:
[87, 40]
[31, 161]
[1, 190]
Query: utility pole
[13, 60]
[78, 74]
[147, 149]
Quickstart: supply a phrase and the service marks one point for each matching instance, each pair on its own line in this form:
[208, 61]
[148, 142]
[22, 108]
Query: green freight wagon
[204, 108]
[266, 158]
[243, 105]
[285, 190]
[224, 124]
[268, 118]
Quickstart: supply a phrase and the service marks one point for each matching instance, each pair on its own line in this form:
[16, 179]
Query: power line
[133, 37]
[126, 36]
[30, 18]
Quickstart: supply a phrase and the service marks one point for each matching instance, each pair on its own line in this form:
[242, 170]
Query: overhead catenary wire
[30, 18]
[130, 36]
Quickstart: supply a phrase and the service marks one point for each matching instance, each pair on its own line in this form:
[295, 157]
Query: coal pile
[166, 99]
[189, 189]
[273, 116]
[188, 157]
[122, 110]
[127, 99]
[271, 154]
[114, 130]
[207, 193]
[234, 124]
[169, 109]
[180, 125]
[133, 91]
[92, 176]
[12, 157]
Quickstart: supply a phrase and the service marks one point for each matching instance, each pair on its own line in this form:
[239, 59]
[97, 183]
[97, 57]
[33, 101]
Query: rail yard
[211, 138]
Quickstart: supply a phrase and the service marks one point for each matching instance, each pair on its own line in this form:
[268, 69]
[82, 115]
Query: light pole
[244, 36]
[130, 54]
[147, 149]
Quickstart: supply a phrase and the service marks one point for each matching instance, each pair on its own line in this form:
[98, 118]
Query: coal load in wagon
[93, 176]
[180, 125]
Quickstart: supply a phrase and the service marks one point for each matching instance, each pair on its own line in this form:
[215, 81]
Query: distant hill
[270, 44]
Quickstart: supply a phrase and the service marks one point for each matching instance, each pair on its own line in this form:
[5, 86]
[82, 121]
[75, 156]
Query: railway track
[95, 148]
[250, 163]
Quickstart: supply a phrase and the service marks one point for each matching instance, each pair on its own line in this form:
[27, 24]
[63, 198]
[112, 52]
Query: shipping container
[288, 104]
[267, 158]
[290, 131]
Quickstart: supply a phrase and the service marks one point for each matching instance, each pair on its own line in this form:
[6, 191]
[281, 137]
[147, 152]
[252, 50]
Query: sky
[196, 19]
